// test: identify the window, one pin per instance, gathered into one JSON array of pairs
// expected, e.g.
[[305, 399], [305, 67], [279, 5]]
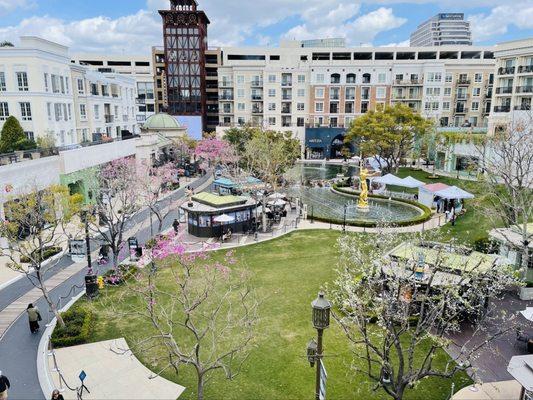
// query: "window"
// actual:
[[25, 111], [2, 82], [334, 93], [432, 91], [96, 111], [69, 109], [272, 79], [67, 87], [240, 93], [30, 136], [300, 121], [271, 121], [300, 107], [447, 91], [81, 87], [58, 111], [55, 83], [46, 86], [449, 78], [49, 111], [434, 105], [4, 111], [62, 82], [271, 92], [478, 77], [381, 93], [335, 78], [145, 90], [240, 79], [301, 93], [319, 93], [320, 78], [65, 114], [271, 106], [350, 78], [446, 105], [475, 106], [319, 107], [301, 78], [476, 92], [241, 107], [22, 80], [382, 77], [434, 76], [83, 112]]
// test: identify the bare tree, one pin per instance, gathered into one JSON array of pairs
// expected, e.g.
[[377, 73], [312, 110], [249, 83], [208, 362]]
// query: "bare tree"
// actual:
[[507, 163], [34, 229], [398, 314], [202, 312]]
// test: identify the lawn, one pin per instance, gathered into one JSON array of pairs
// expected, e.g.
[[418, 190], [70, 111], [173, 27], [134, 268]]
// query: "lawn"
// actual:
[[288, 272], [469, 227]]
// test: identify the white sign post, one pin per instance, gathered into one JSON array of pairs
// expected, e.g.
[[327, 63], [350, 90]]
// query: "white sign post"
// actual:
[[323, 379]]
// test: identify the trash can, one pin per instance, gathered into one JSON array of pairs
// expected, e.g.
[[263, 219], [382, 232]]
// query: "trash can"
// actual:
[[91, 286]]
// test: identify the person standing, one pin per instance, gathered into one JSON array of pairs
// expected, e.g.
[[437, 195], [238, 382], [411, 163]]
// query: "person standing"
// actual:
[[176, 226], [4, 386], [56, 395], [34, 316]]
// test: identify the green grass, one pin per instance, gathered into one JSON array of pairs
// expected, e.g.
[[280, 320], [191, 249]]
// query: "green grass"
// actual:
[[288, 272], [468, 227]]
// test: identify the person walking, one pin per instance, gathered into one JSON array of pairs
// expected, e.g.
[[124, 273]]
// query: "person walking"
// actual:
[[4, 386], [176, 226], [57, 396], [34, 316]]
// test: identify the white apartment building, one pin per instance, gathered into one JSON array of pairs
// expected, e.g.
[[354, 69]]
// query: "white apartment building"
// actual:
[[441, 30], [139, 67], [293, 87], [51, 96]]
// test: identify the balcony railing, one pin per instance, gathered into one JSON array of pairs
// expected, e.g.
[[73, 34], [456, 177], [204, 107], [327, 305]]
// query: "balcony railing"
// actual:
[[365, 97], [286, 110], [502, 108], [287, 97], [461, 110], [225, 96], [334, 97], [109, 118], [463, 82], [523, 69], [462, 96], [504, 90], [286, 83], [523, 107], [257, 83], [506, 70], [257, 110], [257, 97], [226, 111], [224, 83], [406, 82], [524, 89], [350, 97]]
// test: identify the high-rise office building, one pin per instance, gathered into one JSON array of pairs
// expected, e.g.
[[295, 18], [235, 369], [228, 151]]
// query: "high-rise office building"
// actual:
[[443, 29], [185, 44]]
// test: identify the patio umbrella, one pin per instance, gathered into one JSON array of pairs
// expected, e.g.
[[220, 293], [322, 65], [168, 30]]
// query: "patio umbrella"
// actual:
[[277, 196], [528, 313], [278, 203], [412, 183], [223, 218]]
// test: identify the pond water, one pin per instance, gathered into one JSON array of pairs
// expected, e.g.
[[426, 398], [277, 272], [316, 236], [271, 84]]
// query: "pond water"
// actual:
[[322, 202]]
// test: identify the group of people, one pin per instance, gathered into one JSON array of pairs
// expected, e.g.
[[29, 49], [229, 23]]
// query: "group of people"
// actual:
[[447, 207]]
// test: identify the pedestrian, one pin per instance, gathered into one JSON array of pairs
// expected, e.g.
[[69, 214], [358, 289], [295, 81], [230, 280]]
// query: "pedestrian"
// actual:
[[4, 386], [176, 225], [34, 316], [447, 215], [56, 395]]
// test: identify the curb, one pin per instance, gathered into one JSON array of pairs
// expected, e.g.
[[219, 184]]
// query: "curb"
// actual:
[[45, 378]]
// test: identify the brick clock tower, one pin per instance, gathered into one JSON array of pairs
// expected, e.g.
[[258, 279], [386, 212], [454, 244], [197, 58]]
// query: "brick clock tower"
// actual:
[[185, 42]]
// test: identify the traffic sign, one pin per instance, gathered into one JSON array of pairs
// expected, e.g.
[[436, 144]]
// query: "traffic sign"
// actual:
[[82, 376]]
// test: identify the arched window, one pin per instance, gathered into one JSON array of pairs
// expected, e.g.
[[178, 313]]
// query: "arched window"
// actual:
[[335, 78], [350, 78], [366, 78]]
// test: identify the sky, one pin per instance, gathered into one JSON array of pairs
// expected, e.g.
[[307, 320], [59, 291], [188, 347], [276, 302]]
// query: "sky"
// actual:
[[133, 26]]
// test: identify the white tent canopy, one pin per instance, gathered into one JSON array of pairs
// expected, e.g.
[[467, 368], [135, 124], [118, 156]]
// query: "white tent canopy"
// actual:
[[412, 183], [389, 179], [453, 192], [277, 196]]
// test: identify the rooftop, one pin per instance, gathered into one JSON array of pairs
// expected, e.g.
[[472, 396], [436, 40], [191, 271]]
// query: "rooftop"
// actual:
[[213, 203], [161, 121]]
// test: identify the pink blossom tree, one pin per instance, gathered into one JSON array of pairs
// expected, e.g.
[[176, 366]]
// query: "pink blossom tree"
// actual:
[[213, 152], [201, 308]]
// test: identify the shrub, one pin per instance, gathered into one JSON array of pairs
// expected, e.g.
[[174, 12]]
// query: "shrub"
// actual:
[[48, 252], [79, 326], [485, 245], [13, 137], [125, 272]]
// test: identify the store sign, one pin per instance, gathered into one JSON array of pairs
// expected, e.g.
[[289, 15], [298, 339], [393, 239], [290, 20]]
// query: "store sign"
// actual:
[[77, 250]]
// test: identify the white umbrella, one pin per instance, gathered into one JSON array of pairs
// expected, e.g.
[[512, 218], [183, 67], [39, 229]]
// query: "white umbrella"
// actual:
[[223, 218], [412, 183], [278, 203], [528, 313], [277, 196], [260, 209]]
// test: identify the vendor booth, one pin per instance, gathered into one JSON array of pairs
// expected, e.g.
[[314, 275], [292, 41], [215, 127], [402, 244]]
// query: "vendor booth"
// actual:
[[229, 186]]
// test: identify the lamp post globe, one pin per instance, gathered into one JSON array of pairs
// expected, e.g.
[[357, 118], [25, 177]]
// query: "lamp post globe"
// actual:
[[321, 311]]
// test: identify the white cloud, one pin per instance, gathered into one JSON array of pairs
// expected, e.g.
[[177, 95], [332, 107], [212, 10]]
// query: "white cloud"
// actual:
[[404, 43], [497, 22], [7, 6], [361, 30]]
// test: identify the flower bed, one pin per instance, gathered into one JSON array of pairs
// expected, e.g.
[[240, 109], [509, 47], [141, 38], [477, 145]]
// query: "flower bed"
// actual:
[[48, 252]]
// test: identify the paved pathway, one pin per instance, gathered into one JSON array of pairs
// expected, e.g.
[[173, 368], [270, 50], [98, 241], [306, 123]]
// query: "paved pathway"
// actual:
[[18, 348]]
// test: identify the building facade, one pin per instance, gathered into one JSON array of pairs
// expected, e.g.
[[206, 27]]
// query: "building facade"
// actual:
[[138, 67], [441, 30]]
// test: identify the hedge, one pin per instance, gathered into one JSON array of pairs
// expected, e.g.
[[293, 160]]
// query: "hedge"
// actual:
[[79, 326], [425, 216], [47, 253]]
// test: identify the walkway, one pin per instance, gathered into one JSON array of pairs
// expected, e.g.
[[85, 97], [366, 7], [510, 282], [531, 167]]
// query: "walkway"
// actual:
[[112, 373], [18, 348]]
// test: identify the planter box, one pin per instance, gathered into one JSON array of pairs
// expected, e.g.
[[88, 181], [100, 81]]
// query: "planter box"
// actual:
[[526, 293], [35, 156]]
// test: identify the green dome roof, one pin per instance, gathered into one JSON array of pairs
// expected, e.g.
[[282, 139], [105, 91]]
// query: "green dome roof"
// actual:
[[161, 121]]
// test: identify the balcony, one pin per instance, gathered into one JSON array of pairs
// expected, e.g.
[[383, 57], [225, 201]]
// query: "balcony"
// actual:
[[225, 96], [506, 70], [365, 96], [257, 97], [226, 110], [257, 83], [287, 97], [334, 97], [502, 108], [286, 82], [463, 82], [286, 110], [109, 118], [461, 110], [407, 82], [524, 69], [524, 89], [462, 96], [257, 110], [225, 83], [523, 107], [489, 94], [504, 90]]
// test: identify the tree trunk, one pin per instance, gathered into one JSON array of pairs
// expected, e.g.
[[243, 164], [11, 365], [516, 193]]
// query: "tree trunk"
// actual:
[[51, 304], [200, 387]]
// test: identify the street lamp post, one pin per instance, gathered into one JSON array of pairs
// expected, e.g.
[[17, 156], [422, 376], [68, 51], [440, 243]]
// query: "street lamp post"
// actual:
[[91, 279], [344, 219], [321, 312]]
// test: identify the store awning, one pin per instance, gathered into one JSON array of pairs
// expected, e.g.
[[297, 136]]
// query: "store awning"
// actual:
[[454, 193]]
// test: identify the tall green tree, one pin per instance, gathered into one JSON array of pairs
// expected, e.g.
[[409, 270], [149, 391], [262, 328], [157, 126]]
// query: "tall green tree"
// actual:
[[238, 137], [388, 134], [13, 137]]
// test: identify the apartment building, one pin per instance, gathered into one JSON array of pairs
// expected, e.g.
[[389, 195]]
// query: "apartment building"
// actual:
[[441, 30], [49, 95], [513, 81], [294, 88], [138, 67]]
